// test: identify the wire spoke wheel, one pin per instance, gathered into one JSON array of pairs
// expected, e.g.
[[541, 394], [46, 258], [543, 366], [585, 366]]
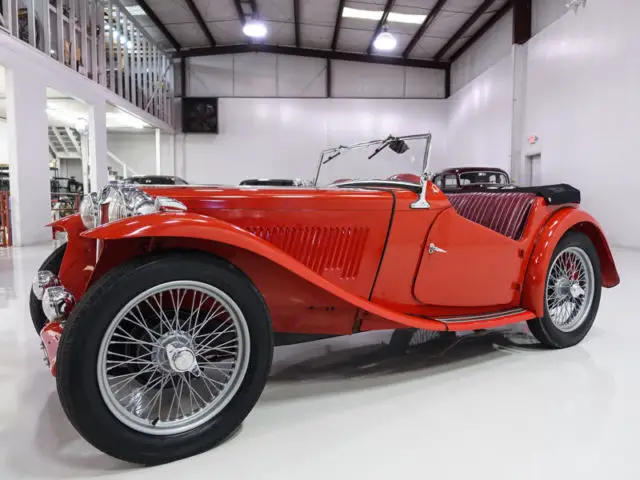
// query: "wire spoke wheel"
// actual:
[[173, 357], [570, 289]]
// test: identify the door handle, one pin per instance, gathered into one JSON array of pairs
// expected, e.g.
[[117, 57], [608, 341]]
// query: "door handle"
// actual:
[[433, 249]]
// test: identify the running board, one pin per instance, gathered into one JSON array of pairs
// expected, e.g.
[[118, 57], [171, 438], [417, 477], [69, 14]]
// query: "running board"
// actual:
[[487, 320]]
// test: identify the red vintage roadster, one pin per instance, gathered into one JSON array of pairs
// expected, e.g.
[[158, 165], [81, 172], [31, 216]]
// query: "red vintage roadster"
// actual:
[[159, 316]]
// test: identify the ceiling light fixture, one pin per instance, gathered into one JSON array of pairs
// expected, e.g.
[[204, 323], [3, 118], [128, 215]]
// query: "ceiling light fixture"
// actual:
[[385, 41], [255, 29], [376, 15]]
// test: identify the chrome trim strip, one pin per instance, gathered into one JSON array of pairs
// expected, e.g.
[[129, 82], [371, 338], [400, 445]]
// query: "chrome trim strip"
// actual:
[[383, 183], [477, 318]]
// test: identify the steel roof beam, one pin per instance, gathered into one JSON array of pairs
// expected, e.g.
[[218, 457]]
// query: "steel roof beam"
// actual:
[[309, 52], [203, 26], [381, 24], [423, 28], [156, 21], [464, 28], [336, 26]]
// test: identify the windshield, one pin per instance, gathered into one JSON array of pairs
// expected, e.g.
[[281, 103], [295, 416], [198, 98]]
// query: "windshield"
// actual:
[[375, 160], [473, 178]]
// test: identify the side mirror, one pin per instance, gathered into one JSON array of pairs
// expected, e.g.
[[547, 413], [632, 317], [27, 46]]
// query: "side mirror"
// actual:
[[398, 146]]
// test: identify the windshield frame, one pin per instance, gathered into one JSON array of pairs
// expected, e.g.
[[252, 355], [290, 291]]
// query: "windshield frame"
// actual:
[[331, 154]]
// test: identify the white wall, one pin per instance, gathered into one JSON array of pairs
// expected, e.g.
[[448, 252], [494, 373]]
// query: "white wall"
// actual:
[[269, 75], [479, 127], [138, 151], [491, 48], [583, 102], [277, 137], [545, 12]]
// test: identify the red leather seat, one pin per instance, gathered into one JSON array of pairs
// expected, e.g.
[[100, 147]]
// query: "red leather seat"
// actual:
[[502, 212]]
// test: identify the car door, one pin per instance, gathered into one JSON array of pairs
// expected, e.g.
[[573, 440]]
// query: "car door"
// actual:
[[468, 265]]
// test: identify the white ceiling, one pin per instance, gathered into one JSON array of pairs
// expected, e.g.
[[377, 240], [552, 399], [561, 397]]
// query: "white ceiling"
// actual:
[[317, 18]]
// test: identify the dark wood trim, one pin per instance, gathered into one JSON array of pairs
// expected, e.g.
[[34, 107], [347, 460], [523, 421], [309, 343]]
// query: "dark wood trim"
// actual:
[[447, 82], [484, 29], [309, 52], [521, 21], [336, 26], [329, 79], [296, 21], [423, 28], [463, 29], [203, 26], [381, 24], [156, 21]]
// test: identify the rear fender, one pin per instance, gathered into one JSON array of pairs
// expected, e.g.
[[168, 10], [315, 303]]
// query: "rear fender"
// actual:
[[561, 222], [195, 226]]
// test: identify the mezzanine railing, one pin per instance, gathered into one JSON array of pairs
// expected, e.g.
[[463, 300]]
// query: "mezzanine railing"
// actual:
[[101, 40]]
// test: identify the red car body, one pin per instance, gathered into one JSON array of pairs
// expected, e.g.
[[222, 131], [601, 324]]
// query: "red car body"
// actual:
[[361, 253], [182, 291]]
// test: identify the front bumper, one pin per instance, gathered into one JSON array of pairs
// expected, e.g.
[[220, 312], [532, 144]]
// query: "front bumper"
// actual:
[[57, 304]]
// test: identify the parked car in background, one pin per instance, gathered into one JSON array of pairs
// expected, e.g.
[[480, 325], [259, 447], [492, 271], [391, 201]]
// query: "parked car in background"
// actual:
[[154, 180], [471, 178], [4, 180]]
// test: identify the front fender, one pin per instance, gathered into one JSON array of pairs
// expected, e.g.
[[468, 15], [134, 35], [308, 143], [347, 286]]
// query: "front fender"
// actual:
[[553, 230], [191, 225]]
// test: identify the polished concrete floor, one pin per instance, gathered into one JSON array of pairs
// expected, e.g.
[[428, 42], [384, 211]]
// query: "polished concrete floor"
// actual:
[[494, 406]]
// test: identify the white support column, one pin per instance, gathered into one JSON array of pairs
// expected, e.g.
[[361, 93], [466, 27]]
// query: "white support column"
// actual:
[[519, 76], [172, 154], [29, 177], [158, 153], [98, 173], [84, 148]]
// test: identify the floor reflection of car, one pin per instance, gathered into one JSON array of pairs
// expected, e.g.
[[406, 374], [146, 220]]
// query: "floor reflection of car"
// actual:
[[470, 178], [155, 180]]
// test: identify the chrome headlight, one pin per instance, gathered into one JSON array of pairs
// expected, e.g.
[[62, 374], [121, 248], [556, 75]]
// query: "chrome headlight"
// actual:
[[89, 210], [57, 303], [124, 202], [117, 206], [44, 279]]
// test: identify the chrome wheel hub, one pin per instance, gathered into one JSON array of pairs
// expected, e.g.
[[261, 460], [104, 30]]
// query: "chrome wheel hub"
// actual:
[[570, 289], [173, 357], [182, 359]]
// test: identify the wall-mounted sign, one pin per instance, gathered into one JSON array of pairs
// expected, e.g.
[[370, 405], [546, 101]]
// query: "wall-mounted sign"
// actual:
[[533, 139]]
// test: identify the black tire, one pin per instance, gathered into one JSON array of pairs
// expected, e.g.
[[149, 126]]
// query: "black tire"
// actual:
[[52, 264], [543, 328], [78, 352]]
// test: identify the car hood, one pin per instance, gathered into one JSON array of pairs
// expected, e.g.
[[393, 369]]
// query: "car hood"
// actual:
[[205, 199]]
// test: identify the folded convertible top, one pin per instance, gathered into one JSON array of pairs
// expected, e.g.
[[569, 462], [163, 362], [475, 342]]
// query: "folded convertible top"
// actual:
[[553, 194]]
